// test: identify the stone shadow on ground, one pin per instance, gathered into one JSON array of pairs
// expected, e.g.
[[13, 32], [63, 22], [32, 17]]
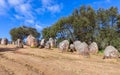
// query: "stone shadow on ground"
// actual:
[[8, 49]]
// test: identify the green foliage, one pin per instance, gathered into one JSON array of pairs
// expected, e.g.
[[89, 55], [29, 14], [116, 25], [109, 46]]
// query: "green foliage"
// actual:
[[101, 52], [23, 32], [86, 24], [33, 47]]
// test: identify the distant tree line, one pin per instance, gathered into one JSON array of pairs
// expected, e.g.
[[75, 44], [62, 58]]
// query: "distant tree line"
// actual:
[[88, 25], [22, 32]]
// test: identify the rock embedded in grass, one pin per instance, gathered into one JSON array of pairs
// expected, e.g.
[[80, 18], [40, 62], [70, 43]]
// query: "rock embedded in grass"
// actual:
[[111, 52], [77, 44], [19, 43], [48, 45], [32, 41], [4, 41], [64, 45], [72, 47], [52, 42], [42, 43], [93, 48], [82, 48]]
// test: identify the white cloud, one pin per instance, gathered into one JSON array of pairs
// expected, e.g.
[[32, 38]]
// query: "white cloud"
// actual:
[[30, 21], [18, 16], [3, 7], [51, 6], [38, 27], [54, 8], [46, 2], [15, 2], [25, 10], [2, 3]]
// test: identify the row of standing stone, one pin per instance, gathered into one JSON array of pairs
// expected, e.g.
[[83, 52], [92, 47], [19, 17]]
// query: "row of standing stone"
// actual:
[[84, 49]]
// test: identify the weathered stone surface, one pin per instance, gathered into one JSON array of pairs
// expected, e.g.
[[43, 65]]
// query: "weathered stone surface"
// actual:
[[64, 45], [31, 41], [110, 52], [52, 42], [42, 43], [93, 48], [72, 47], [4, 41], [48, 45], [82, 48], [77, 44], [19, 43]]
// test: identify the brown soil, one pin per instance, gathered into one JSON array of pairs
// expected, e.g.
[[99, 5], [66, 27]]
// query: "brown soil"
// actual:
[[34, 61]]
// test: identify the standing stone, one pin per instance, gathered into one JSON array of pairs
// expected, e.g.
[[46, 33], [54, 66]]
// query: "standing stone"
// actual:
[[42, 43], [82, 48], [77, 44], [28, 40], [19, 43], [31, 41], [93, 48], [110, 52], [48, 45], [4, 41], [52, 42], [72, 47], [64, 45]]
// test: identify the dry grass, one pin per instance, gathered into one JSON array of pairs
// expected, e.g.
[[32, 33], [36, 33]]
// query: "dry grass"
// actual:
[[34, 61]]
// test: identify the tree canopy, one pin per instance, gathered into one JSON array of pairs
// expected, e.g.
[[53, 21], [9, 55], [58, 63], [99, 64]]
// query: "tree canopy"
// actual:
[[87, 24], [22, 32]]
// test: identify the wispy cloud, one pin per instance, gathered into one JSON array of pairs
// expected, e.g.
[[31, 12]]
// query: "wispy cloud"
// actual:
[[3, 7], [15, 2], [50, 6], [25, 10], [2, 3], [18, 16], [26, 13], [30, 21], [38, 27]]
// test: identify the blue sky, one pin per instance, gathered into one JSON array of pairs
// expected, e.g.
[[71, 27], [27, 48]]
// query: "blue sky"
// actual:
[[41, 13]]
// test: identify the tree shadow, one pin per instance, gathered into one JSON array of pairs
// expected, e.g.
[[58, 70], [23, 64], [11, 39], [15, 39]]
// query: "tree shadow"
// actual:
[[8, 49]]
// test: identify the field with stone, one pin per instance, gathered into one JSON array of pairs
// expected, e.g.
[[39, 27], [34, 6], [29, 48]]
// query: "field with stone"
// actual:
[[35, 61]]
